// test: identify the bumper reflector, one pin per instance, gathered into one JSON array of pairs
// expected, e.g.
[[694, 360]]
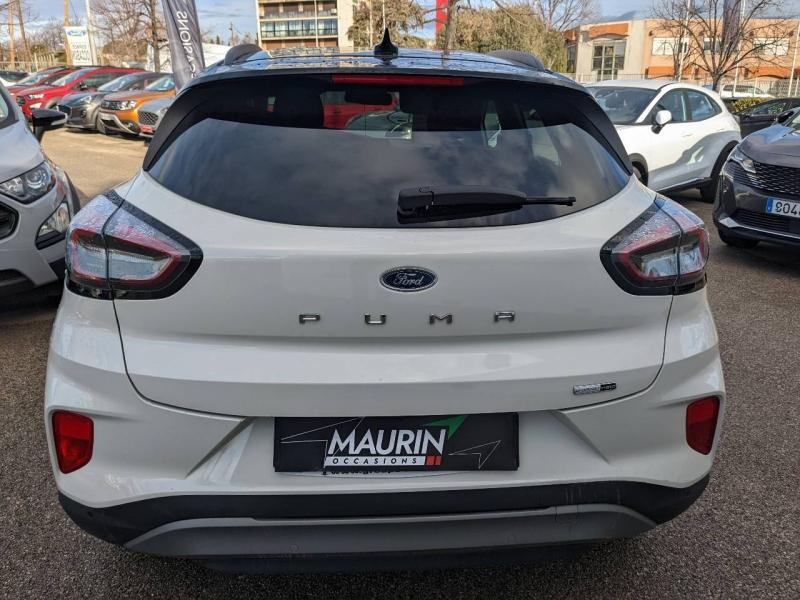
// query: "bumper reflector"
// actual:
[[701, 424], [73, 436]]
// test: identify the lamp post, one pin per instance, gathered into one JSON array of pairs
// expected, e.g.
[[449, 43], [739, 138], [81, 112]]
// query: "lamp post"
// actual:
[[681, 43], [794, 58], [90, 32], [316, 25]]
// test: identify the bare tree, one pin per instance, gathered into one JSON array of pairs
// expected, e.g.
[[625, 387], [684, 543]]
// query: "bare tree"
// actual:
[[674, 17], [561, 15], [128, 27], [724, 35]]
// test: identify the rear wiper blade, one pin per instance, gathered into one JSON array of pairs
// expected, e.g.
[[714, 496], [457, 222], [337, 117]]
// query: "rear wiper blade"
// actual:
[[442, 202], [412, 199]]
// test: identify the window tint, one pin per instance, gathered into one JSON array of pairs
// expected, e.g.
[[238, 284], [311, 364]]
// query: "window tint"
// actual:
[[675, 103], [769, 108], [4, 109], [94, 81], [162, 84], [623, 105], [702, 106], [125, 82], [69, 78], [310, 152]]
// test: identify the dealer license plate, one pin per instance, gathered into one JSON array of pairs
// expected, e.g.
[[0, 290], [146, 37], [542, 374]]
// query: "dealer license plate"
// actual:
[[484, 442], [787, 208]]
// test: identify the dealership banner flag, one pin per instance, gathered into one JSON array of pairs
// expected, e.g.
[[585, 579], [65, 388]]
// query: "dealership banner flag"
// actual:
[[185, 42]]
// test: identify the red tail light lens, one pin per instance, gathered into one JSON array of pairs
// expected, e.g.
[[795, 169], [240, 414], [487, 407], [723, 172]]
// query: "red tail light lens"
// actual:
[[664, 251], [701, 424], [391, 80], [116, 250], [73, 437]]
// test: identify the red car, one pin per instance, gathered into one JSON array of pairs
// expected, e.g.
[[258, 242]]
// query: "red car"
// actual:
[[87, 79], [42, 77]]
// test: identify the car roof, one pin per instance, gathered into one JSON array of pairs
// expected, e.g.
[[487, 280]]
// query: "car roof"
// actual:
[[416, 60], [648, 84]]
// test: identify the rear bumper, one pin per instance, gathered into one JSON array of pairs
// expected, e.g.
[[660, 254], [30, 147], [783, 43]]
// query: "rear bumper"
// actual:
[[177, 482], [739, 212], [290, 525]]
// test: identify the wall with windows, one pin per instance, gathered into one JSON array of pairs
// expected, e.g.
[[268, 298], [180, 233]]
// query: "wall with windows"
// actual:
[[637, 48], [304, 23]]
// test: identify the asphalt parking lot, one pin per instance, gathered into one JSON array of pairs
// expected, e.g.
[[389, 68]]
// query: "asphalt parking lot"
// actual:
[[740, 540]]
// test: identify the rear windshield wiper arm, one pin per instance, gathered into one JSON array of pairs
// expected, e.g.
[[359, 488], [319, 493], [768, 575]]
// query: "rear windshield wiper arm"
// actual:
[[416, 201]]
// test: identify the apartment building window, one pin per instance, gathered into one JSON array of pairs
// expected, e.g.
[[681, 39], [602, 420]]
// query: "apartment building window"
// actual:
[[712, 46], [666, 46], [298, 28], [608, 58], [771, 46], [328, 27]]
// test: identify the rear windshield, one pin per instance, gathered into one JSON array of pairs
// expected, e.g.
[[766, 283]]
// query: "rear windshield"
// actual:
[[312, 151]]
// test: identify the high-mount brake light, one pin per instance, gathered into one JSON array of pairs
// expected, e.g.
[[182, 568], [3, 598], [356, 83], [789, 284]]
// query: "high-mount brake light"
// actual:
[[116, 250], [422, 80], [663, 251]]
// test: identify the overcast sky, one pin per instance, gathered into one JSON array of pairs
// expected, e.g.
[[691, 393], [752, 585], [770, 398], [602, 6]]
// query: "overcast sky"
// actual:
[[217, 15]]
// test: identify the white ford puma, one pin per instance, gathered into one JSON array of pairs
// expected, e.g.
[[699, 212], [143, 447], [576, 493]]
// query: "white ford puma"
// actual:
[[381, 306]]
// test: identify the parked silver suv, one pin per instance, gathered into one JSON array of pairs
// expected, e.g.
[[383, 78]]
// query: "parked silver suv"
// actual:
[[37, 202]]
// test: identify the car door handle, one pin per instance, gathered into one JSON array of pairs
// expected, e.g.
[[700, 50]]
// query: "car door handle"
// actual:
[[687, 135]]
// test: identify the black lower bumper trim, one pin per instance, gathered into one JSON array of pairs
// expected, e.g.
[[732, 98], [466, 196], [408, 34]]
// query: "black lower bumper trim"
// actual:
[[121, 523]]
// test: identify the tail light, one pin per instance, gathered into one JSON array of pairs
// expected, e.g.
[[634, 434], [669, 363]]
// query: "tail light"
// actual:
[[701, 424], [116, 250], [73, 437], [391, 79], [664, 251]]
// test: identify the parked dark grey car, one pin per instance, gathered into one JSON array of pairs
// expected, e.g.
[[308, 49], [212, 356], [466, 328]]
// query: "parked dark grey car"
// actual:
[[759, 195], [81, 108], [763, 115]]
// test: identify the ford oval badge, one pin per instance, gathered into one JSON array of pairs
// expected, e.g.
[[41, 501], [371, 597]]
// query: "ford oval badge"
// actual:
[[408, 279]]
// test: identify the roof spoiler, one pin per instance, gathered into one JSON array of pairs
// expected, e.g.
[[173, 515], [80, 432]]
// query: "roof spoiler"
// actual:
[[521, 58], [239, 53]]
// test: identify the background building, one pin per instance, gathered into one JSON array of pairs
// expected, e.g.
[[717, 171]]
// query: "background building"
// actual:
[[304, 23], [633, 46]]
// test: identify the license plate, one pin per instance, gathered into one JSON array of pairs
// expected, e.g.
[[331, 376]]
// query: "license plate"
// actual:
[[787, 208], [483, 442], [106, 117]]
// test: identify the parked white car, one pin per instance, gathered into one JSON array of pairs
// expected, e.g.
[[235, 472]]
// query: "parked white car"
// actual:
[[288, 339], [734, 92], [677, 135], [37, 202]]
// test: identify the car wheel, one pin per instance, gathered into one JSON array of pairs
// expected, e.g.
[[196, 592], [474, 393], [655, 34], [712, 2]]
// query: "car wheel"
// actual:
[[737, 242], [708, 191], [98, 124]]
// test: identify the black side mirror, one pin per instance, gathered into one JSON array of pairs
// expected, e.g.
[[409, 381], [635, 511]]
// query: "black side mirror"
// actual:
[[786, 115], [45, 119], [82, 86]]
